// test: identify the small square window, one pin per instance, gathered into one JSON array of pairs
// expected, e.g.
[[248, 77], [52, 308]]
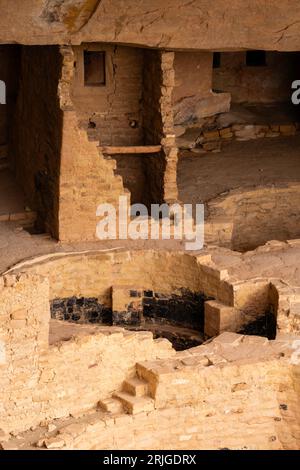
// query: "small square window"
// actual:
[[94, 68], [217, 60], [256, 58]]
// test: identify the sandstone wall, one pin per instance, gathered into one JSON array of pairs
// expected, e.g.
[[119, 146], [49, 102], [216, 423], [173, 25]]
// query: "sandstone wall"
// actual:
[[234, 393], [161, 168], [168, 23], [94, 285], [132, 169], [193, 74], [254, 216], [92, 275], [114, 106], [46, 382], [265, 84], [36, 135], [87, 179]]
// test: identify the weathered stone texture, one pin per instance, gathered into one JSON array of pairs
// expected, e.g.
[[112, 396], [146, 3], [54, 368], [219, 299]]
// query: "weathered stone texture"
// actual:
[[200, 24], [270, 83], [44, 382], [254, 216], [87, 179], [111, 109]]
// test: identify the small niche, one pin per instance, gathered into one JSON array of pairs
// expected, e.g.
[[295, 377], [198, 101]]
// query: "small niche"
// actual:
[[94, 68]]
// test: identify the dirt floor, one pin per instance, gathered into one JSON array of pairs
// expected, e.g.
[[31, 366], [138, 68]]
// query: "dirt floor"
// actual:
[[239, 164], [16, 244], [275, 259]]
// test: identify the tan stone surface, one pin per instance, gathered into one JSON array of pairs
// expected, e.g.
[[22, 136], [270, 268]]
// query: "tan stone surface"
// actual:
[[235, 392], [201, 24]]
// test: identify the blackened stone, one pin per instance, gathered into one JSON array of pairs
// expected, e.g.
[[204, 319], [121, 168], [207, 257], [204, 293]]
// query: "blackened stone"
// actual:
[[163, 301], [149, 301], [58, 303], [134, 293], [159, 296], [95, 315], [127, 318], [183, 309], [80, 309], [71, 301], [148, 293], [265, 326]]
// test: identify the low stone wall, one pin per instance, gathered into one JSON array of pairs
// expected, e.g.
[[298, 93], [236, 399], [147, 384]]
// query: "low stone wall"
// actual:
[[92, 274], [245, 218], [234, 393], [208, 137], [121, 286], [47, 382]]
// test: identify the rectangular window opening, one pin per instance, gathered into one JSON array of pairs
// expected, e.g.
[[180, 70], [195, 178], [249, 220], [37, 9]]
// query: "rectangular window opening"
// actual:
[[217, 60], [94, 68], [256, 59]]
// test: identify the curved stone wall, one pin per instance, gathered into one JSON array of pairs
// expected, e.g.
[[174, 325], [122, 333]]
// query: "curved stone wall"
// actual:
[[246, 218]]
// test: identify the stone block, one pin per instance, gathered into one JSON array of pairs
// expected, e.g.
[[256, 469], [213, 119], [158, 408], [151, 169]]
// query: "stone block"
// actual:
[[214, 104], [219, 318]]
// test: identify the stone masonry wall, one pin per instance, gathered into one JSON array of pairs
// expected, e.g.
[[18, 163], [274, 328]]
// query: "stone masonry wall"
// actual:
[[161, 169], [265, 84], [112, 108], [47, 382], [91, 286], [92, 275], [87, 179], [255, 215], [233, 393]]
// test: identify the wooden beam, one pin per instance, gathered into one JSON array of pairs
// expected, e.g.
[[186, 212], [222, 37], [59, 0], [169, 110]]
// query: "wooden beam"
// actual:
[[131, 149]]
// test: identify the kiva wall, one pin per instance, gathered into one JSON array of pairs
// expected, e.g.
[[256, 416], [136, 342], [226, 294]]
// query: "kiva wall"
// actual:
[[92, 275], [254, 216]]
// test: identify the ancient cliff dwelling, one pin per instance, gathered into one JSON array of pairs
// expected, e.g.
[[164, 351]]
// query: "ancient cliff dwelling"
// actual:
[[124, 343]]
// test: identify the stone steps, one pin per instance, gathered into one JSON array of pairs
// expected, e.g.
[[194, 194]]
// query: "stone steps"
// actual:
[[111, 405], [133, 398], [136, 387], [134, 405]]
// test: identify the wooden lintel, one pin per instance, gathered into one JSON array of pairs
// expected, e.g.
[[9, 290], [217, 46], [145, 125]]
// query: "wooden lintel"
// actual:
[[131, 149]]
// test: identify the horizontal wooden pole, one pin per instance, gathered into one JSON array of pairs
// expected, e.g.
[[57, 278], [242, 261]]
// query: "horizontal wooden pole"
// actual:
[[132, 149]]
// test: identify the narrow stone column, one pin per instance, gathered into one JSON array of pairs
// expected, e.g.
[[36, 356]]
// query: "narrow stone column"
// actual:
[[170, 190]]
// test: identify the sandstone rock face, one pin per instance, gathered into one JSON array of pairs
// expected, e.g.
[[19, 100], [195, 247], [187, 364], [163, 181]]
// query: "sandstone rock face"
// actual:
[[199, 24], [215, 104]]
